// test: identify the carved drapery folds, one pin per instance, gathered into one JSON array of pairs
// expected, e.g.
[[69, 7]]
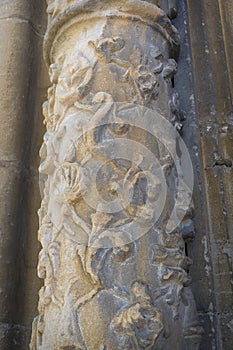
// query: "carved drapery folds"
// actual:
[[106, 287]]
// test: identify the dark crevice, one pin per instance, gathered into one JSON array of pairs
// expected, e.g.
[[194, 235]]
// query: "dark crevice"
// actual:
[[223, 162], [186, 253], [173, 82]]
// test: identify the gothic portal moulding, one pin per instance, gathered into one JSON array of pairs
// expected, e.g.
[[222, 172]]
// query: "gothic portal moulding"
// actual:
[[116, 207]]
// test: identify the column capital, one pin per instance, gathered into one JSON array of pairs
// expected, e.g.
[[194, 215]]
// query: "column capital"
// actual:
[[62, 14]]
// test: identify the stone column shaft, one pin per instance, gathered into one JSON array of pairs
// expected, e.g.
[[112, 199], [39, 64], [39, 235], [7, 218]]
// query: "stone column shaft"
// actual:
[[114, 276], [15, 38]]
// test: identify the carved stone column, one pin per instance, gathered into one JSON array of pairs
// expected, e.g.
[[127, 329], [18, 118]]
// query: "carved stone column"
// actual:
[[106, 285]]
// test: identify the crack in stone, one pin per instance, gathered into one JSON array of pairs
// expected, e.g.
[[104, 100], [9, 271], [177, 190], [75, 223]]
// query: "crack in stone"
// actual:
[[23, 20]]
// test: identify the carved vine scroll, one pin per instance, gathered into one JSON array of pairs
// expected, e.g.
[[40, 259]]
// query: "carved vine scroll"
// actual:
[[114, 276]]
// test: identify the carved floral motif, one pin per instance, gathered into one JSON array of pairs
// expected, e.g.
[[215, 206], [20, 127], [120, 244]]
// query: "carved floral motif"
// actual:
[[85, 252], [139, 325]]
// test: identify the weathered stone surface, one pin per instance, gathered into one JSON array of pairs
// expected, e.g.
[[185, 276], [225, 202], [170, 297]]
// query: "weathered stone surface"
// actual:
[[106, 287], [21, 32], [14, 337], [12, 88], [212, 89], [204, 83]]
